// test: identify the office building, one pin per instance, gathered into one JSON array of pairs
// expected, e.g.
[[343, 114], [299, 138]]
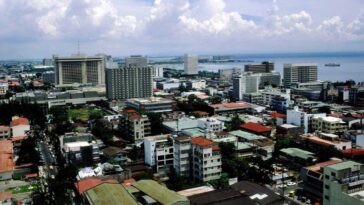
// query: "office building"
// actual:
[[245, 83], [272, 79], [129, 82], [206, 159], [152, 104], [47, 62], [158, 153], [158, 72], [49, 77], [228, 74], [80, 69], [191, 64], [264, 67], [299, 73], [343, 183], [136, 61]]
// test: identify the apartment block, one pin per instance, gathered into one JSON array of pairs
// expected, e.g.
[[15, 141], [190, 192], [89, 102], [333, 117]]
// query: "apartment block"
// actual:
[[343, 183], [264, 67], [302, 119], [299, 73], [328, 124], [182, 155], [136, 61], [134, 126], [191, 64]]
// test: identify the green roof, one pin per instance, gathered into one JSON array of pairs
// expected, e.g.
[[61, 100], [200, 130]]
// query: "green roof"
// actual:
[[107, 193], [343, 165], [159, 193], [246, 135], [296, 152], [194, 132]]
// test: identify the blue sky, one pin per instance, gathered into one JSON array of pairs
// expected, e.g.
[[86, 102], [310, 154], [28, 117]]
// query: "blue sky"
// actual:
[[40, 28]]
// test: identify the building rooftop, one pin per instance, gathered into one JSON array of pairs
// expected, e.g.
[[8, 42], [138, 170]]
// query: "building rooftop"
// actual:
[[275, 115], [330, 119], [317, 167], [4, 128], [89, 183], [110, 193], [183, 123], [288, 126], [196, 190], [255, 127], [19, 121], [6, 156], [231, 105], [158, 192], [150, 100], [353, 152], [227, 196], [343, 165], [201, 141], [246, 135], [296, 152], [5, 195]]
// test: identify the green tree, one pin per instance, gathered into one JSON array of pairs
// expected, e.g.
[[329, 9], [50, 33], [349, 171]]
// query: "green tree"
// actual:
[[221, 183], [215, 100], [156, 120], [235, 123]]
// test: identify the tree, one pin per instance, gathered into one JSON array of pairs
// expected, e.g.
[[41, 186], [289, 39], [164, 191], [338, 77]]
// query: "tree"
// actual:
[[156, 120], [221, 183], [175, 182], [235, 123], [325, 109], [215, 100]]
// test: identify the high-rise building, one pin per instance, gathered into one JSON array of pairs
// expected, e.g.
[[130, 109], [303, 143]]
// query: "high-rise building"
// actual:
[[343, 183], [299, 73], [158, 71], [245, 83], [47, 62], [137, 61], [129, 82], [191, 64], [80, 69], [182, 155], [264, 67], [272, 78]]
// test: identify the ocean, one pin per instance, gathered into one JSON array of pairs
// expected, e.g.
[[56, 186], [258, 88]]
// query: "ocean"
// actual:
[[352, 64]]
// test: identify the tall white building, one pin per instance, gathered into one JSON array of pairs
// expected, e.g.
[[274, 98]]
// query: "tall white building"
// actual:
[[299, 73], [80, 69], [245, 83], [136, 61], [158, 153], [301, 118], [158, 71], [191, 64], [129, 82]]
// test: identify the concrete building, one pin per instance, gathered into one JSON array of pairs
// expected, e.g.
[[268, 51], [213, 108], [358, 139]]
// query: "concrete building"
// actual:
[[19, 126], [327, 139], [299, 73], [182, 155], [206, 159], [356, 95], [47, 62], [136, 61], [264, 67], [169, 84], [158, 153], [273, 79], [301, 118], [210, 124], [191, 64], [196, 84], [328, 124], [228, 74], [134, 126], [343, 183], [158, 72], [49, 77], [80, 69], [245, 83], [129, 82], [4, 87], [152, 104]]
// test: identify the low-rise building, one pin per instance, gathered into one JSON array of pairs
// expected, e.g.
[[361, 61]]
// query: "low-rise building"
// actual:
[[134, 126], [196, 84], [327, 139], [328, 124], [19, 126], [297, 156], [6, 160], [5, 132], [182, 155], [158, 153], [302, 119], [152, 104], [206, 159], [256, 128], [210, 124]]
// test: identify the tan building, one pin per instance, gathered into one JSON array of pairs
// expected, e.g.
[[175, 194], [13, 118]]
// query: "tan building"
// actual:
[[329, 124], [134, 126]]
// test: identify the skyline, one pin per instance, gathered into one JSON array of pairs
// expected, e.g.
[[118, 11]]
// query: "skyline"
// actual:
[[37, 29]]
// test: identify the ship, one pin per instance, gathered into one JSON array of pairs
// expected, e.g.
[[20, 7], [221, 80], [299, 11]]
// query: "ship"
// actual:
[[332, 64]]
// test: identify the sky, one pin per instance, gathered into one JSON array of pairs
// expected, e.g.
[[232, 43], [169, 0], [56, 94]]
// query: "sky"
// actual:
[[40, 28]]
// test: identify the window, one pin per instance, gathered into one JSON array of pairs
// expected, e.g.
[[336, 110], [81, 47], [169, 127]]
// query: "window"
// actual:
[[333, 174], [327, 187], [327, 197]]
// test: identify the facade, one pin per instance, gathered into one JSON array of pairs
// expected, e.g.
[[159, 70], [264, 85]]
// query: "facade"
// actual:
[[245, 83], [80, 69], [191, 64], [210, 124], [343, 184], [6, 158], [19, 126], [228, 74], [327, 139], [182, 155], [264, 67], [206, 159], [49, 77], [129, 82], [47, 62], [270, 93], [301, 118], [273, 79], [158, 72], [299, 73], [196, 84], [329, 124], [152, 104], [134, 126], [158, 153], [356, 95], [136, 61]]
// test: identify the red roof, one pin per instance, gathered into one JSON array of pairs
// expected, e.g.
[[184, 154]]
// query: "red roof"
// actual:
[[202, 113], [4, 128], [353, 152], [32, 175], [357, 115], [201, 141], [19, 121], [215, 148], [135, 116], [231, 105], [89, 183], [19, 138], [255, 127], [6, 156], [5, 195], [275, 115]]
